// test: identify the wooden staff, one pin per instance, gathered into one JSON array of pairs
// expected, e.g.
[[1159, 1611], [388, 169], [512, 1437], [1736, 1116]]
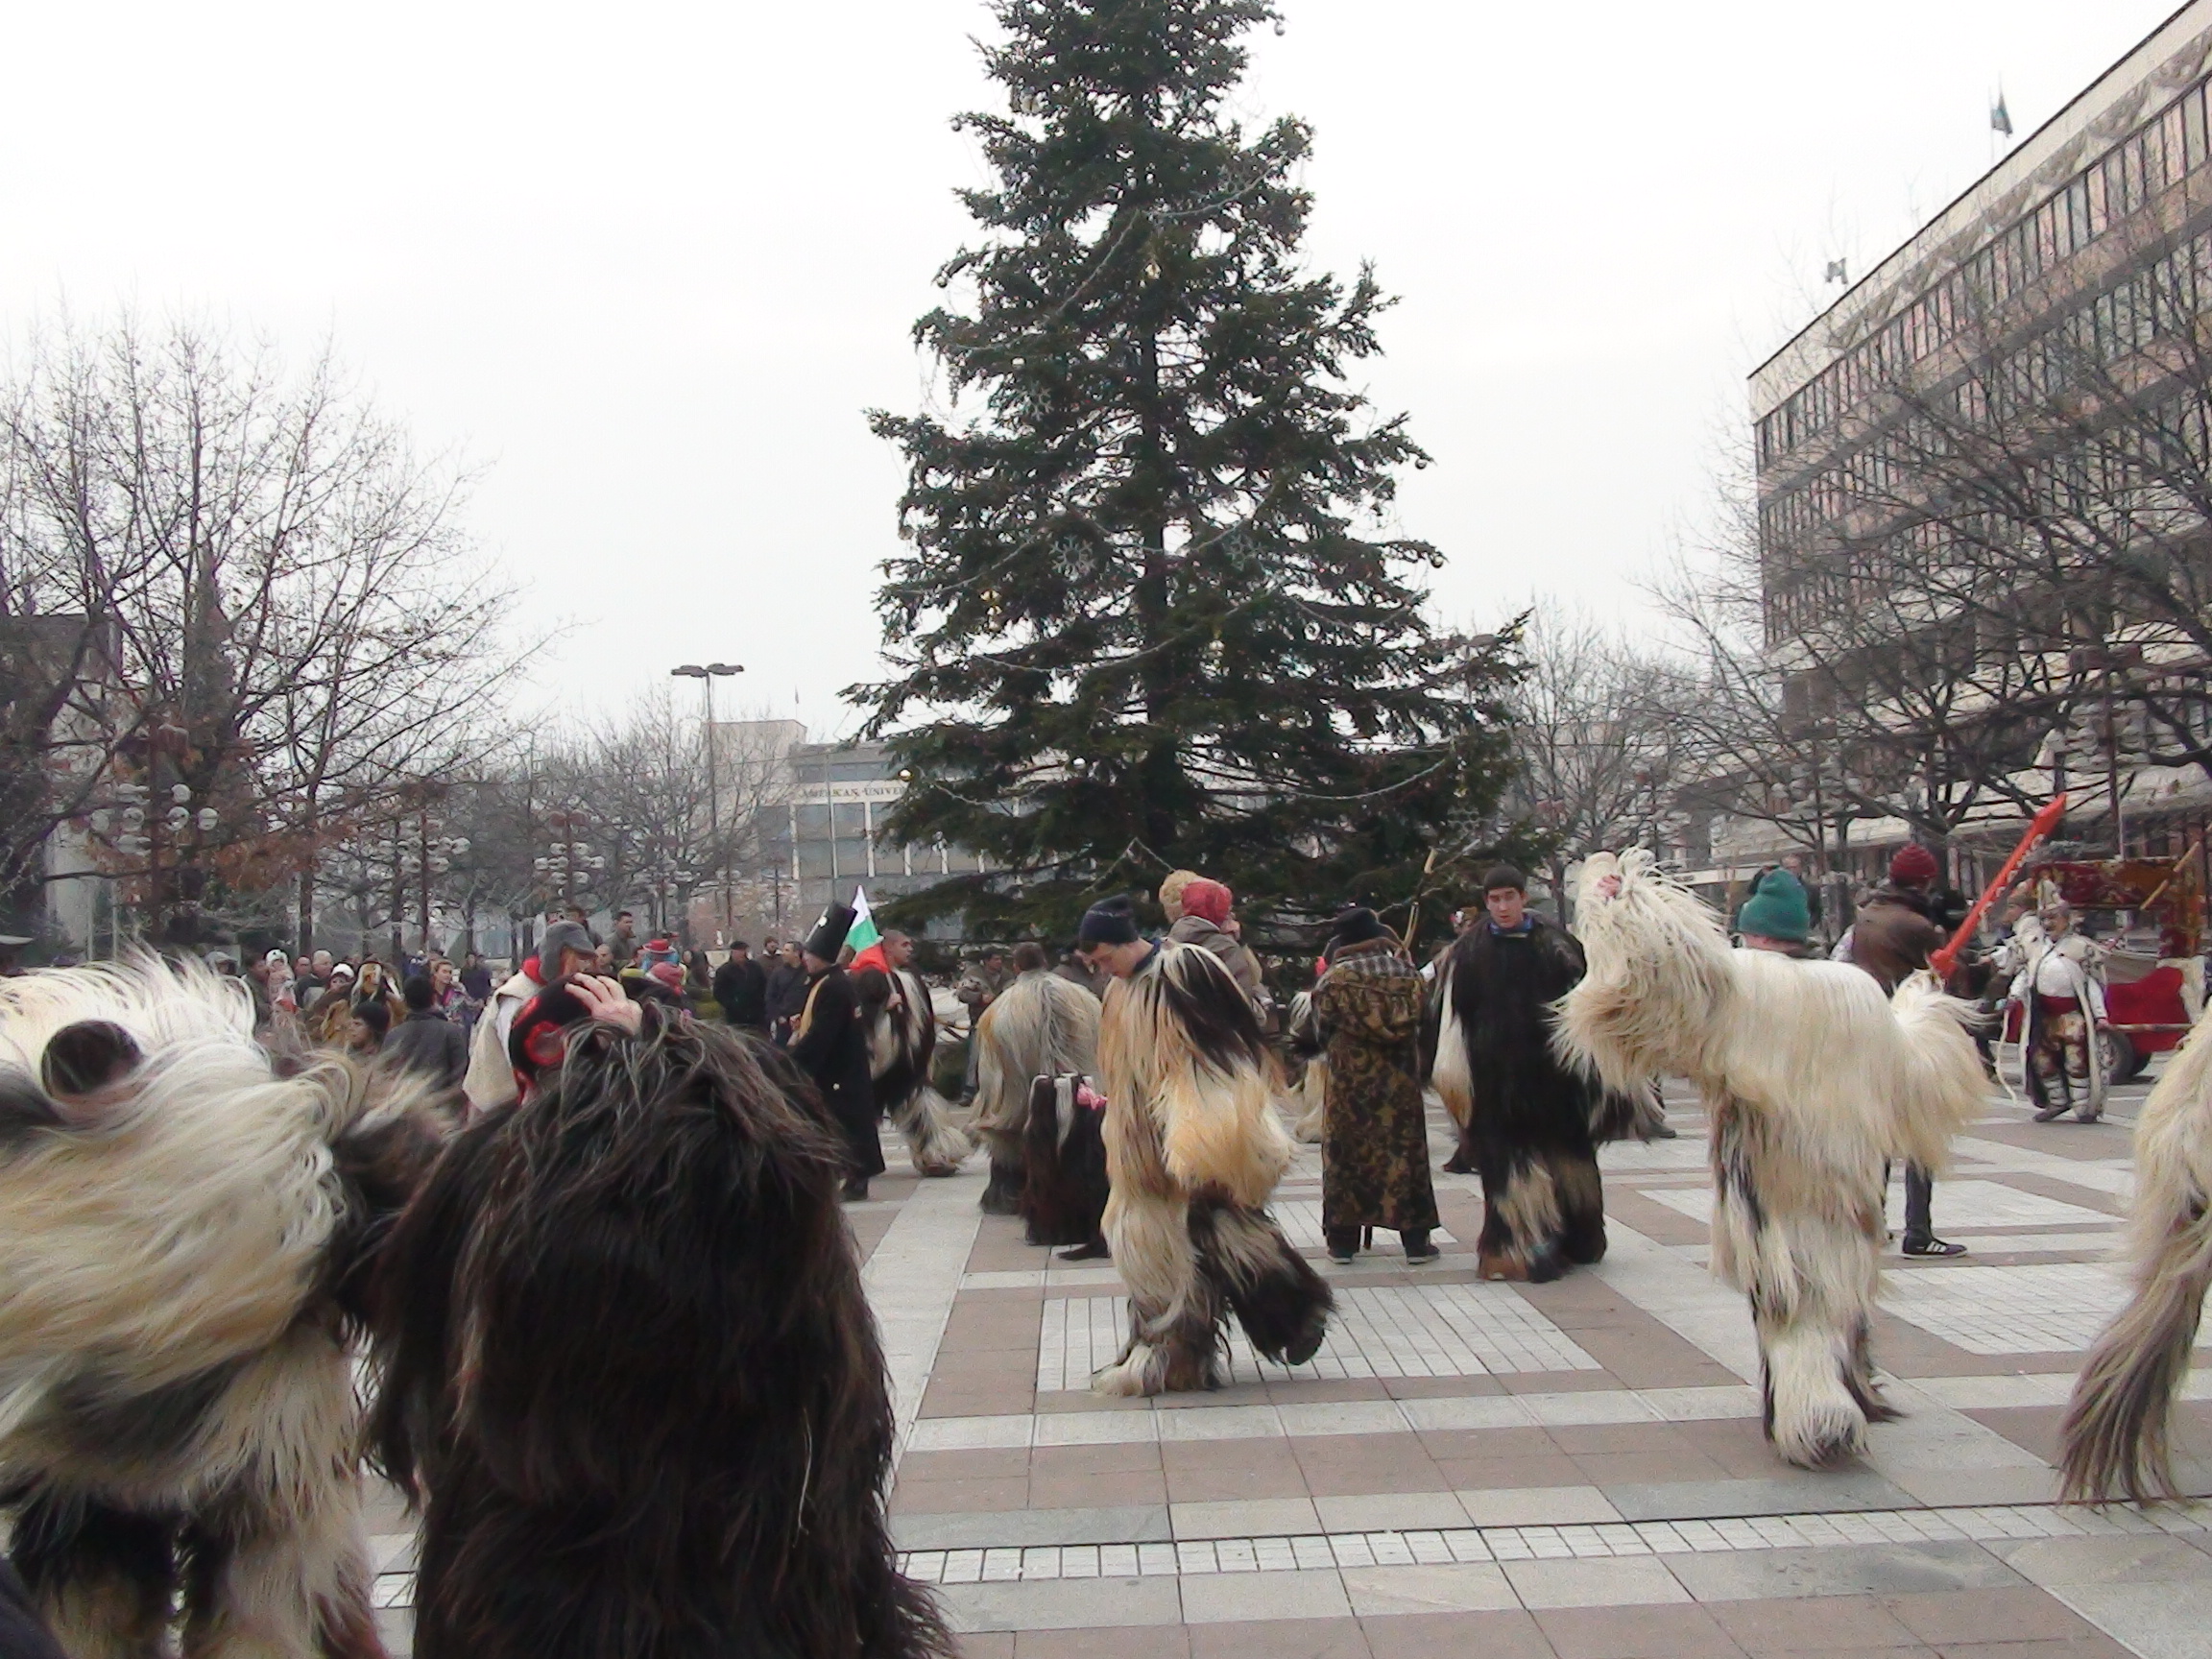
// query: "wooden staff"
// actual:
[[2159, 892], [2045, 821]]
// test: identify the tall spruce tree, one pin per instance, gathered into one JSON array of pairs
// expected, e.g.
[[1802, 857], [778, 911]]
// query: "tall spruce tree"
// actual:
[[1151, 606]]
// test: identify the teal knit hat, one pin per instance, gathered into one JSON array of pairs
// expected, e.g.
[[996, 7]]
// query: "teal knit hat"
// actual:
[[1776, 909]]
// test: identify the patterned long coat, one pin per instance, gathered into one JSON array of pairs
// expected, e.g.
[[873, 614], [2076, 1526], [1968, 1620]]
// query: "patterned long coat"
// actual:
[[1375, 1141]]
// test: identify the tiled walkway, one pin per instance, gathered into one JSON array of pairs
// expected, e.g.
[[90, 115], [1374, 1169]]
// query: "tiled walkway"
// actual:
[[1572, 1470]]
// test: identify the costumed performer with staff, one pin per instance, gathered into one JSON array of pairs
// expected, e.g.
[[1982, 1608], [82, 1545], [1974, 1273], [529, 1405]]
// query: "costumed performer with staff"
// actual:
[[1193, 1149], [831, 1043], [1375, 1131]]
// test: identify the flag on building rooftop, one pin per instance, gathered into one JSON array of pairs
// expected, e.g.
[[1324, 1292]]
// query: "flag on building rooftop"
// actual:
[[2000, 118]]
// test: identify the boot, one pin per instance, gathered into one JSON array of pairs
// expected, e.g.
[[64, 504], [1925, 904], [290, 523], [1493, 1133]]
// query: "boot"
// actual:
[[1419, 1251]]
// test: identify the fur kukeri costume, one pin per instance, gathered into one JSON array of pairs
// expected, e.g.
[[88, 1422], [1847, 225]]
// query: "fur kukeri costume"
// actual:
[[629, 1369], [902, 1044], [1523, 1115], [2114, 1436], [1064, 1180], [183, 1232], [1310, 1054], [1041, 1026], [1193, 1149], [1811, 1079]]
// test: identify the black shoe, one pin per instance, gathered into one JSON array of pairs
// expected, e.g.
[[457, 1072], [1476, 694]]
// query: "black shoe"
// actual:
[[1419, 1251], [1095, 1251], [1932, 1247], [2057, 1109], [856, 1190], [1666, 1132], [1456, 1164]]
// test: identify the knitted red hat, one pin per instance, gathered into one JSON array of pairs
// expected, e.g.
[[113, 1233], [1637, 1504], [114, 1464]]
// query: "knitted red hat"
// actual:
[[1913, 866], [1208, 901]]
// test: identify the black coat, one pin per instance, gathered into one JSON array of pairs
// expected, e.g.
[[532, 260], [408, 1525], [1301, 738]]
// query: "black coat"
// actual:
[[1502, 985], [786, 994], [742, 993], [431, 1044], [831, 1048]]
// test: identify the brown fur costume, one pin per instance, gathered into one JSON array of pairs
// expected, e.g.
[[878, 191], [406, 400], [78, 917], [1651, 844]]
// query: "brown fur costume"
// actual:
[[628, 1366], [1193, 1149], [1064, 1183], [183, 1235]]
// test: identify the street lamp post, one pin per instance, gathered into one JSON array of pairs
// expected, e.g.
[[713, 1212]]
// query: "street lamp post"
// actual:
[[707, 673]]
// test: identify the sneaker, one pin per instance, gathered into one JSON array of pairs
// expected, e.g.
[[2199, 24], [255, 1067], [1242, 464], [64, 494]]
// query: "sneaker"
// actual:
[[2049, 1113], [1932, 1247], [1421, 1255], [1342, 1258], [1666, 1132]]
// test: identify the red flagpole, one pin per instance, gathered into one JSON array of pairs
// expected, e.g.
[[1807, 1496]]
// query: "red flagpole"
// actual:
[[2045, 821]]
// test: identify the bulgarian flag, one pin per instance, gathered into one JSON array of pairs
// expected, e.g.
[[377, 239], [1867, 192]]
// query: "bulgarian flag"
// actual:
[[862, 933]]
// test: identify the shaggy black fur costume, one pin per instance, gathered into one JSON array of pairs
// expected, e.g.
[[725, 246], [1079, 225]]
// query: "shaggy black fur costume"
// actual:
[[630, 1372], [1064, 1164], [1527, 1130]]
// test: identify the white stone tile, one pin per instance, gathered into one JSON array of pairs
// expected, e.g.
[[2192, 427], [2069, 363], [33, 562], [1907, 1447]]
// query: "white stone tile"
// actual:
[[1244, 1518], [1536, 1505], [1378, 1592], [1393, 1510], [2165, 1621], [1544, 1585], [970, 1433], [1242, 1598], [2032, 1308], [1378, 1331], [1096, 1428]]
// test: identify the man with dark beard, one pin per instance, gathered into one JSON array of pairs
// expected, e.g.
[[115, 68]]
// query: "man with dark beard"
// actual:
[[1523, 1118], [831, 1043]]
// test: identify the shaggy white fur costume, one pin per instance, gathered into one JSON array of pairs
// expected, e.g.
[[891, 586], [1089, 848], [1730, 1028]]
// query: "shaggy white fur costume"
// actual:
[[180, 1230], [2114, 1437], [1811, 1079]]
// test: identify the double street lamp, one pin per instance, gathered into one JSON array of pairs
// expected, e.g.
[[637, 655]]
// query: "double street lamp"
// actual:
[[707, 673]]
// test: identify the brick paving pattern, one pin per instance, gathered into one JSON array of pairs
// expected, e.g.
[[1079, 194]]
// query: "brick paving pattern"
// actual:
[[1566, 1471]]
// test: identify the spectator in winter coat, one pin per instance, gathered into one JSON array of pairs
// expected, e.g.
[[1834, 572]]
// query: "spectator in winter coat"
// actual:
[[786, 994], [1891, 938], [741, 988], [1205, 922], [428, 1043]]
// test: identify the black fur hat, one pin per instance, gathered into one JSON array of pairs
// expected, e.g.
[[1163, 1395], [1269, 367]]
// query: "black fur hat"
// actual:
[[1357, 925], [829, 935]]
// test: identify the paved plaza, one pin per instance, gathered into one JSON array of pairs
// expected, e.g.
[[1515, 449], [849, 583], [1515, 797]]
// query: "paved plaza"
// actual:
[[1518, 1472]]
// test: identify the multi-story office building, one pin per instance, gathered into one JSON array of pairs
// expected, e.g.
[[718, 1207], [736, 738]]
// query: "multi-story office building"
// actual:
[[816, 810], [2072, 279]]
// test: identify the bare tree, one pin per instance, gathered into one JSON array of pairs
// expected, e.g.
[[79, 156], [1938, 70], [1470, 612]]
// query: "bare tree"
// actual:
[[1595, 749], [279, 623]]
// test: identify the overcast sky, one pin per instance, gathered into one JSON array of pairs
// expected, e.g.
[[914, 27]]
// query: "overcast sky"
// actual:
[[647, 265]]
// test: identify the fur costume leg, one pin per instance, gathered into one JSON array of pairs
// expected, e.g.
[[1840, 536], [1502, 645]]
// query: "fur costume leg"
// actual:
[[1452, 1076], [1312, 1101], [1800, 1241], [936, 1145], [1175, 1311], [2114, 1438]]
